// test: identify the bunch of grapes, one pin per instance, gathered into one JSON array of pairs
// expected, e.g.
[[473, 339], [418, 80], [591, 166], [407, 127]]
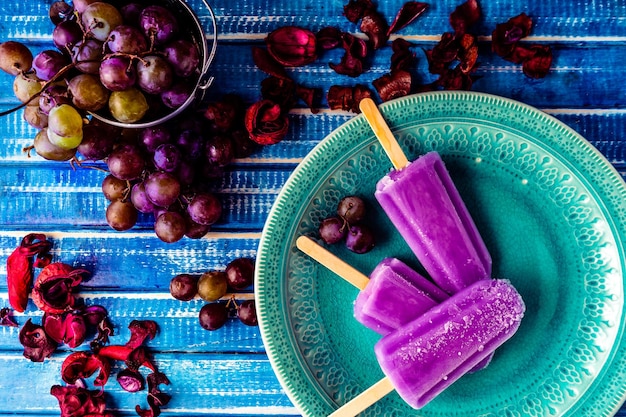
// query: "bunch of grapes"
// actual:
[[348, 225], [131, 62], [211, 286]]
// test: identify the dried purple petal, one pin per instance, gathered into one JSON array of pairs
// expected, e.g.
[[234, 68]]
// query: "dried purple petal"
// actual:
[[156, 398], [54, 326], [455, 79], [443, 53], [393, 85], [94, 314], [506, 35], [375, 27], [266, 63], [347, 98], [468, 53], [131, 380], [328, 37], [465, 16], [37, 344], [75, 329], [352, 61], [355, 9], [6, 318], [292, 46], [408, 13], [310, 96]]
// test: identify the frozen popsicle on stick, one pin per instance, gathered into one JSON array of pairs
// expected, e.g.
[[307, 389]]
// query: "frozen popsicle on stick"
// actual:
[[422, 202], [424, 357], [393, 294]]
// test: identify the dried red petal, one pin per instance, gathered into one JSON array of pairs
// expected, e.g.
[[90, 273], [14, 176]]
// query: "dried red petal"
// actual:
[[52, 292], [265, 122], [375, 27], [79, 402], [79, 365], [444, 52], [311, 97], [156, 398], [54, 326], [6, 318], [140, 331], [393, 85], [402, 58], [468, 53], [266, 63], [328, 38], [37, 344], [75, 330], [292, 46], [465, 16], [130, 380], [281, 91], [408, 13], [506, 35], [19, 268], [355, 9], [539, 64], [455, 79], [347, 98]]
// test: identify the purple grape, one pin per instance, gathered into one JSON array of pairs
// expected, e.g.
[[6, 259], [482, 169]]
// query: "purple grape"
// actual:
[[140, 199], [183, 56], [352, 209], [246, 312], [48, 63], [332, 230], [191, 143], [130, 13], [196, 230], [158, 24], [127, 39], [153, 137], [67, 34], [81, 5], [167, 157], [240, 273], [97, 143], [177, 94], [114, 188], [154, 74], [162, 188], [170, 227], [205, 208], [184, 287], [360, 239], [87, 56], [186, 172], [126, 162], [219, 150], [52, 96], [59, 11], [117, 73], [213, 316], [121, 215]]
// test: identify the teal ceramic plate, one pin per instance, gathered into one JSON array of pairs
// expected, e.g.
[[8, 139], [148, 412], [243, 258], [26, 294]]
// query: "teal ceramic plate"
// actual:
[[552, 212]]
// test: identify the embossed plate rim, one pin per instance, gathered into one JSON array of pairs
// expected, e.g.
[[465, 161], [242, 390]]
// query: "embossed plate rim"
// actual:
[[287, 364]]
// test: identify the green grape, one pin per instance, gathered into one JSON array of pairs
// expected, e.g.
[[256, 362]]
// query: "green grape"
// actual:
[[48, 150], [88, 93], [64, 142], [212, 285], [128, 106], [25, 86]]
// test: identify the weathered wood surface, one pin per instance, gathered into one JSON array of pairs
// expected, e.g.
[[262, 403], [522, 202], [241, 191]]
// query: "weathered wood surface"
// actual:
[[227, 372]]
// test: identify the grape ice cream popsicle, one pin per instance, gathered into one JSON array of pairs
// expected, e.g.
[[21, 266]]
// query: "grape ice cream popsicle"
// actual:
[[393, 294], [422, 202], [424, 357]]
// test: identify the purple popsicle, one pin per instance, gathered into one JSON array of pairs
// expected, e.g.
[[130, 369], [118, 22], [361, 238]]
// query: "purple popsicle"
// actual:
[[394, 296], [424, 357], [426, 208]]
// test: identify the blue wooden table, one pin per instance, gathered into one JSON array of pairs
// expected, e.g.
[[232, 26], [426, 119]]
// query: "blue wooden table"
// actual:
[[227, 372]]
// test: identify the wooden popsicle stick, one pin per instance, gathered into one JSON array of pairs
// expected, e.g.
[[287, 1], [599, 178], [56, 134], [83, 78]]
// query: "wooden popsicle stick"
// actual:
[[332, 262], [383, 133], [364, 399]]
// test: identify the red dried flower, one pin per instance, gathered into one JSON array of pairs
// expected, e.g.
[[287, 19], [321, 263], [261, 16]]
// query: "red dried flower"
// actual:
[[6, 318], [79, 402], [355, 9], [375, 27], [538, 65], [402, 58], [408, 13], [265, 122], [292, 46], [465, 16], [79, 365], [37, 344], [52, 291], [352, 61], [310, 96], [140, 331], [328, 38]]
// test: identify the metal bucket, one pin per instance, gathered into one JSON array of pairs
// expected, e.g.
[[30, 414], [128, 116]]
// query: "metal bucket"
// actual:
[[205, 39]]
